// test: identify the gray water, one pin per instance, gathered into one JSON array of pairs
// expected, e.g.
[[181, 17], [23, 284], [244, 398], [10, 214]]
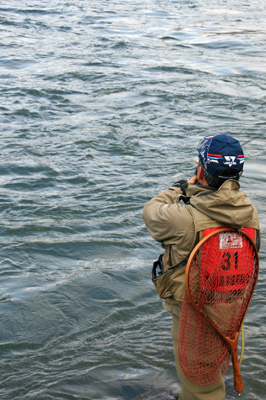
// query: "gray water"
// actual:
[[102, 104]]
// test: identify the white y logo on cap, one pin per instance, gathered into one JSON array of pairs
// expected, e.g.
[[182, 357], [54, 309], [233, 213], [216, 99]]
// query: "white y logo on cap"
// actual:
[[230, 160]]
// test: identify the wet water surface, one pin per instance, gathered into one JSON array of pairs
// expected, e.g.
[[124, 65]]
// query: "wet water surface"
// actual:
[[102, 106]]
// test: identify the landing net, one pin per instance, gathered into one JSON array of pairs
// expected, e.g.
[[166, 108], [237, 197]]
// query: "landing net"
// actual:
[[221, 275]]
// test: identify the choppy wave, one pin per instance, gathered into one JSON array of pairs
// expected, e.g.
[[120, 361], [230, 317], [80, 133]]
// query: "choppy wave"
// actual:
[[102, 106]]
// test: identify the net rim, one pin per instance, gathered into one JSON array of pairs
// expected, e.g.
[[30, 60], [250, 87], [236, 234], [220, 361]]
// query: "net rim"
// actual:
[[203, 240]]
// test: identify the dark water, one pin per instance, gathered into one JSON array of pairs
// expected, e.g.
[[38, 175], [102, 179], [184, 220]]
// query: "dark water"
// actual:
[[102, 104]]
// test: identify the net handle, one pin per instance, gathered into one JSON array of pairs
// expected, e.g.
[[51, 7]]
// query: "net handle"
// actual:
[[232, 343]]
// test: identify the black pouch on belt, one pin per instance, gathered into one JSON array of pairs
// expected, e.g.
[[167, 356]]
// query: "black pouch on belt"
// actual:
[[157, 269], [160, 278]]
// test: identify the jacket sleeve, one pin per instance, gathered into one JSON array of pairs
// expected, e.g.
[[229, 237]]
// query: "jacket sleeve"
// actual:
[[167, 220]]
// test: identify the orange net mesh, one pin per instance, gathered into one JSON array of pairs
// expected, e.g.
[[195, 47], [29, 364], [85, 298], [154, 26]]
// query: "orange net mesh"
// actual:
[[220, 279]]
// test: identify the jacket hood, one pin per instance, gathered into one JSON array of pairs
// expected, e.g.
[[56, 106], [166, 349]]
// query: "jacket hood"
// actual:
[[228, 205]]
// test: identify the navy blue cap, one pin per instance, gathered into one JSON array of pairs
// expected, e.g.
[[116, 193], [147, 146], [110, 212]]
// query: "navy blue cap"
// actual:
[[221, 156]]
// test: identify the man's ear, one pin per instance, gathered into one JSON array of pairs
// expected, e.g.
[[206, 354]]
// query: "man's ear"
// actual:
[[201, 177], [200, 174]]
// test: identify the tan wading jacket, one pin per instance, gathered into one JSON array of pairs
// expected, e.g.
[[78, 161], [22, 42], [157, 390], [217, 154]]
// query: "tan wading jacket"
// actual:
[[176, 220]]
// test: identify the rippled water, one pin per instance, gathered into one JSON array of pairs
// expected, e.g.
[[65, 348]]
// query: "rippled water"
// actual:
[[102, 104]]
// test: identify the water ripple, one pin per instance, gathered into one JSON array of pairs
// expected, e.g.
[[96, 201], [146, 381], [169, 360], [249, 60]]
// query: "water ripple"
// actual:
[[102, 107]]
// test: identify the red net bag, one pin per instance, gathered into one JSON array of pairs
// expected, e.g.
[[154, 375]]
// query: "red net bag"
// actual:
[[221, 275]]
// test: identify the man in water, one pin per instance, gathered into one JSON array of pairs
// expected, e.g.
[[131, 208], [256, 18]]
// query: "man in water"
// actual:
[[177, 217]]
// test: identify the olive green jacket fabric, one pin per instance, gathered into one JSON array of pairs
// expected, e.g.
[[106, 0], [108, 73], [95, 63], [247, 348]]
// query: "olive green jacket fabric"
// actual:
[[176, 216]]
